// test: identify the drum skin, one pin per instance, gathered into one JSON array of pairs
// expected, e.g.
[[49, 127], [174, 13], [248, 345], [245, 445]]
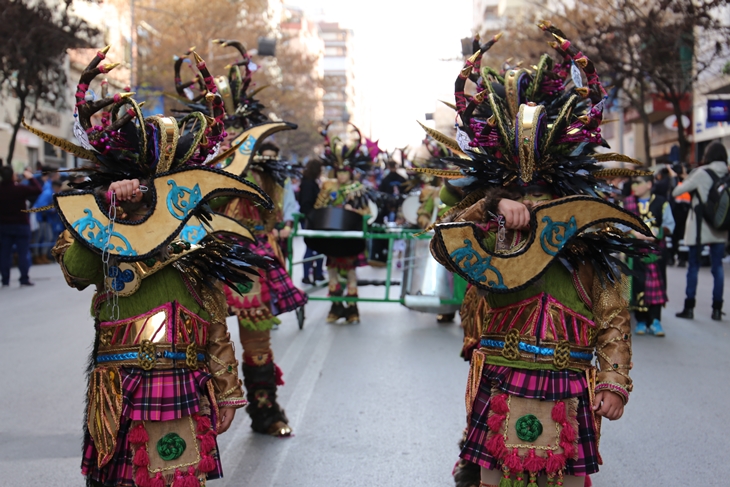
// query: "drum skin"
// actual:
[[335, 219]]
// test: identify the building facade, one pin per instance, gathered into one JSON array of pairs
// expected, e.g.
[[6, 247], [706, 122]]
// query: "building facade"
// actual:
[[339, 75]]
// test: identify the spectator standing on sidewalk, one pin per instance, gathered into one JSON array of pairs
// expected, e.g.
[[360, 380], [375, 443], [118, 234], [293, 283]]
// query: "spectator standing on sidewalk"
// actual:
[[43, 239], [14, 224], [308, 191], [698, 184]]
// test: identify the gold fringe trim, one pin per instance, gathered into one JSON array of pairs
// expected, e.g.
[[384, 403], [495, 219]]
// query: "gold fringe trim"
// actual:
[[63, 144]]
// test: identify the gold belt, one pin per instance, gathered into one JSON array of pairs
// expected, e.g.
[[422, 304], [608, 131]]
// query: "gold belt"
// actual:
[[513, 346], [150, 355]]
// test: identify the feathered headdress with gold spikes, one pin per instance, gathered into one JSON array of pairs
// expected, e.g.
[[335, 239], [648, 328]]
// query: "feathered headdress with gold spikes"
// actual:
[[537, 125], [357, 155]]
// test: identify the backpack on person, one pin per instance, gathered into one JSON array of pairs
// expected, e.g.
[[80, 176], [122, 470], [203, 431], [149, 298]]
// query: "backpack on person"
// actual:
[[716, 207]]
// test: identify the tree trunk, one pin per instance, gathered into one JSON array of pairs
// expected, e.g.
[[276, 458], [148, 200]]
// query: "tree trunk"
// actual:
[[684, 144], [646, 124], [16, 126]]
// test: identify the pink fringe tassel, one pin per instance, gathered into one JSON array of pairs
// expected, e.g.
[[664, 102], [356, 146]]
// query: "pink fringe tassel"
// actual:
[[494, 422], [558, 412], [513, 461], [495, 446], [138, 435], [533, 463], [203, 424], [207, 464], [207, 442], [158, 481], [141, 457], [555, 463], [499, 404], [567, 434], [142, 477]]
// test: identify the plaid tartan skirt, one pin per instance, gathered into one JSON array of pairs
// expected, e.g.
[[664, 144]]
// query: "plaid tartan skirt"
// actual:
[[648, 280], [547, 385], [156, 395], [284, 295], [347, 263]]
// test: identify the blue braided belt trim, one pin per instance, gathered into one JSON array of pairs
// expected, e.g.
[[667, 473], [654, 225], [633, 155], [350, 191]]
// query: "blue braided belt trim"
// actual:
[[119, 357], [529, 348]]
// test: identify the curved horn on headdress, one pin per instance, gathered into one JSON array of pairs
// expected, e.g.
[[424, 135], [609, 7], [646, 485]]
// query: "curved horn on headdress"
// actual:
[[483, 48], [86, 109], [179, 85], [245, 61], [357, 145], [595, 88], [460, 83]]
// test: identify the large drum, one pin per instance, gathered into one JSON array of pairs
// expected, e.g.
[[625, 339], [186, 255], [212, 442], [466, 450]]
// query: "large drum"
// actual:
[[335, 219], [426, 282]]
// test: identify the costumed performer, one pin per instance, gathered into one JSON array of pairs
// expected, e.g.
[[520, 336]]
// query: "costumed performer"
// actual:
[[535, 237], [345, 192], [162, 376], [257, 307], [648, 283]]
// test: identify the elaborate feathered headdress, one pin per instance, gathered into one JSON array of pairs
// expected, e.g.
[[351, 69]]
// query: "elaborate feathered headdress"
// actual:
[[243, 110], [244, 117], [532, 126], [538, 126], [356, 156], [176, 159]]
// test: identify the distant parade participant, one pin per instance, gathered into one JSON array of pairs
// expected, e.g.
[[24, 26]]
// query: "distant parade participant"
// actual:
[[257, 307], [648, 284], [534, 237], [162, 375], [345, 192]]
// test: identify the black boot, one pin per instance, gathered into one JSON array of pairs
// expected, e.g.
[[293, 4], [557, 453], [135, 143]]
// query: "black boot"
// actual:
[[352, 313], [267, 416], [337, 311], [689, 310], [717, 310]]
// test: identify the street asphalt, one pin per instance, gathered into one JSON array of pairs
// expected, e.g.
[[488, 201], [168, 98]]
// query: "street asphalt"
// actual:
[[380, 403]]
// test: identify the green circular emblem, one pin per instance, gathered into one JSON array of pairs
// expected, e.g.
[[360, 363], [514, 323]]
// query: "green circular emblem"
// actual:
[[245, 288], [170, 447], [528, 427]]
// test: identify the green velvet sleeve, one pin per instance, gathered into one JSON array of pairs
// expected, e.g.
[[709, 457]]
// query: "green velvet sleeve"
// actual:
[[83, 263], [448, 197]]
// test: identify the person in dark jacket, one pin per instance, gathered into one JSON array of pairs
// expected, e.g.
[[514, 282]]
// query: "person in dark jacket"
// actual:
[[14, 224], [308, 191]]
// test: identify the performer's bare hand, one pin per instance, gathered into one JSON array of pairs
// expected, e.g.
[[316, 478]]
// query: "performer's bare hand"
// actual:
[[516, 215], [126, 190], [609, 405], [348, 206], [285, 232], [226, 419]]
